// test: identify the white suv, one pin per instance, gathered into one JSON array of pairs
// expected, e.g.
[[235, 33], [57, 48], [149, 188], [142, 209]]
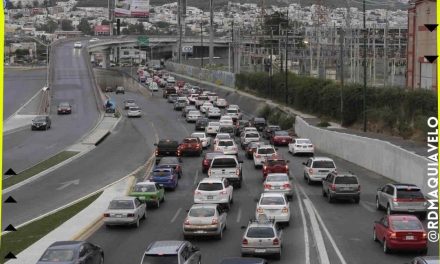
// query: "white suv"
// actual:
[[317, 168], [262, 153], [214, 190], [227, 146]]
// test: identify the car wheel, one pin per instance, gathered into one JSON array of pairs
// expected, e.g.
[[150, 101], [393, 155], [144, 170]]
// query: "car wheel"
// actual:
[[200, 261], [32, 128], [278, 255], [324, 194], [305, 178], [386, 250], [309, 182], [163, 198], [329, 198], [378, 206], [186, 237], [157, 203], [424, 251], [231, 201], [137, 223], [374, 235], [220, 235], [389, 211], [101, 260], [357, 199]]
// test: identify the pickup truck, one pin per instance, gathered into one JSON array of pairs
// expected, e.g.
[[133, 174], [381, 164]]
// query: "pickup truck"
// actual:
[[167, 91], [166, 148], [227, 166]]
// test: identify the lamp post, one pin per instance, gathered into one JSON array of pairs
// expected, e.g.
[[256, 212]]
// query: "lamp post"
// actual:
[[365, 70], [201, 41]]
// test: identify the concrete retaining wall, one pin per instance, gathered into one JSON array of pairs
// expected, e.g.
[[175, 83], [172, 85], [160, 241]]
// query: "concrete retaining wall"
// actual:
[[217, 77], [379, 156]]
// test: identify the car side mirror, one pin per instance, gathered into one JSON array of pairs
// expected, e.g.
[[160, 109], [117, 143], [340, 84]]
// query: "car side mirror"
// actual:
[[240, 161], [304, 163], [155, 144], [242, 227], [194, 248], [290, 177]]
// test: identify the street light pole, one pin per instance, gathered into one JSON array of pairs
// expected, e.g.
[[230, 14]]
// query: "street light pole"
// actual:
[[201, 41], [48, 65], [365, 71], [287, 41]]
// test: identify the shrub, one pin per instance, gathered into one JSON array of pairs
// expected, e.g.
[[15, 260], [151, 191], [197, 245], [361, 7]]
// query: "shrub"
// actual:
[[265, 111], [286, 121]]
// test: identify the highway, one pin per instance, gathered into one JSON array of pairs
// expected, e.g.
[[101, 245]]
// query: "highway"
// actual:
[[71, 82], [349, 226]]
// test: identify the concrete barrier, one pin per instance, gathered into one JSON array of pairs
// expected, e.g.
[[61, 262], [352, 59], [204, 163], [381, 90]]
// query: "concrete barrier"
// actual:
[[376, 155]]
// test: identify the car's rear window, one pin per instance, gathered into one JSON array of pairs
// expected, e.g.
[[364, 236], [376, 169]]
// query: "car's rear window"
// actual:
[[161, 259], [406, 225], [210, 186], [190, 140], [121, 204], [203, 98], [226, 143], [409, 194], [281, 133], [160, 173], [272, 200], [223, 136], [303, 141], [134, 108], [252, 135], [232, 111], [323, 164], [226, 129], [64, 105], [224, 163], [277, 178], [165, 143], [260, 232], [58, 255], [145, 188], [276, 162], [346, 180], [202, 212], [266, 151], [182, 101], [214, 124]]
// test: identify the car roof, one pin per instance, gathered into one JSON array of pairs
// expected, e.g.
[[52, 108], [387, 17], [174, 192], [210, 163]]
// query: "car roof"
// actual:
[[145, 183], [204, 206], [225, 156], [321, 158], [277, 174], [66, 244], [265, 147], [403, 217], [123, 198], [404, 186], [272, 194], [211, 180], [213, 153], [164, 247]]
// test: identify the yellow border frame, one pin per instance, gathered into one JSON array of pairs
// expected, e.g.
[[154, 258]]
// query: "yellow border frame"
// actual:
[[2, 41]]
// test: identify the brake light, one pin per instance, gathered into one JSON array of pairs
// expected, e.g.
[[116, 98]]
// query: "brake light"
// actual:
[[157, 152], [209, 173], [206, 162], [424, 235], [257, 156], [186, 222], [333, 187], [214, 221], [285, 210], [260, 210], [310, 146], [276, 241], [223, 192], [237, 172], [392, 235], [244, 242], [106, 215], [264, 167], [267, 186], [130, 215], [197, 192], [359, 188], [286, 167], [287, 185]]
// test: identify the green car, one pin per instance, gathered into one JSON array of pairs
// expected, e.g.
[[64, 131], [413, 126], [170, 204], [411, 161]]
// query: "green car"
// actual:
[[149, 192]]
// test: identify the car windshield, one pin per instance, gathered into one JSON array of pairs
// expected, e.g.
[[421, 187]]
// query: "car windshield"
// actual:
[[406, 225], [134, 108], [323, 164], [198, 135], [259, 120], [161, 173], [202, 212], [58, 255], [232, 111], [214, 124], [40, 119], [226, 129], [121, 204], [145, 188], [190, 140], [346, 180], [64, 105], [260, 232], [194, 112], [277, 178], [252, 135], [270, 200], [210, 186], [409, 194], [224, 163], [266, 151], [281, 133], [276, 162], [160, 259], [303, 141], [226, 143]]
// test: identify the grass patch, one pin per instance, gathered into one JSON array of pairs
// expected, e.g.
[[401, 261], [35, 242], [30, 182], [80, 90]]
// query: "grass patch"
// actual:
[[44, 165], [25, 236]]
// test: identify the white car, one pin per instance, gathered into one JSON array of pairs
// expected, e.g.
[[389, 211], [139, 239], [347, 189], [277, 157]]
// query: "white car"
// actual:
[[214, 112], [153, 87], [201, 99], [134, 111], [250, 129], [278, 182], [125, 211], [206, 141], [317, 168], [227, 146], [262, 153], [248, 137], [233, 106], [204, 220], [171, 79], [234, 113], [274, 206], [226, 121], [220, 136], [77, 45], [221, 103], [301, 145], [212, 128], [212, 96], [193, 115], [94, 40], [205, 106], [214, 190]]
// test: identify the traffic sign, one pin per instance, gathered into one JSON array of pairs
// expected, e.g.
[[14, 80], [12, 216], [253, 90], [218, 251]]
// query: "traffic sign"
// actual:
[[143, 41], [187, 49]]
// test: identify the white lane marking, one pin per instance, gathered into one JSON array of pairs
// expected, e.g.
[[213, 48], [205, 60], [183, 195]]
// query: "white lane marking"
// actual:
[[175, 216], [239, 215], [155, 132], [319, 240], [196, 177], [306, 231], [332, 241], [64, 185], [367, 207]]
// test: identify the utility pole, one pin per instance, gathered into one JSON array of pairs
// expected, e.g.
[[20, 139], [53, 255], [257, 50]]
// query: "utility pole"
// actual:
[[179, 24], [201, 41], [211, 32], [271, 55], [287, 44], [341, 45], [365, 70], [233, 48]]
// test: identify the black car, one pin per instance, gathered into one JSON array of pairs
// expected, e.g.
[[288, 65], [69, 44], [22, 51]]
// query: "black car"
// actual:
[[259, 123], [240, 125], [64, 108], [166, 148], [72, 252], [243, 261], [201, 123], [41, 123], [109, 89], [269, 130]]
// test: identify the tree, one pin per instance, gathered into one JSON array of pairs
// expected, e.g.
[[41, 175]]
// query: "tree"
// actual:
[[18, 16], [105, 22], [28, 5], [84, 27], [125, 31], [66, 25], [19, 5], [49, 27], [162, 24], [35, 3]]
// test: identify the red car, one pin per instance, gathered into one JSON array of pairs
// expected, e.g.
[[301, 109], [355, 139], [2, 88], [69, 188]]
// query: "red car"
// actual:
[[180, 84], [275, 165], [206, 163], [191, 145], [400, 232], [280, 138]]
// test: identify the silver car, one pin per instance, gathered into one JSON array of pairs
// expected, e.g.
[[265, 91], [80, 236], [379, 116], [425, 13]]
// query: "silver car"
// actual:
[[262, 237], [129, 103], [317, 168], [205, 220], [125, 211], [401, 198], [278, 182]]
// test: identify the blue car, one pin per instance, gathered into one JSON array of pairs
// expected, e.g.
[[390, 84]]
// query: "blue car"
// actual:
[[165, 176]]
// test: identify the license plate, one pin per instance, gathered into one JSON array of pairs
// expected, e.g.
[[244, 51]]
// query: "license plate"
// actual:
[[260, 250], [345, 188], [276, 187], [210, 197], [409, 238], [118, 216], [200, 232]]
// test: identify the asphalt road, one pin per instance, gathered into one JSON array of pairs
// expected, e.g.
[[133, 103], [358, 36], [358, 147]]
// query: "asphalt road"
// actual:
[[19, 86], [71, 82], [349, 225]]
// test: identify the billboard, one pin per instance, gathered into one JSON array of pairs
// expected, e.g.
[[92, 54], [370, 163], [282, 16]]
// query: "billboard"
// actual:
[[132, 8]]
